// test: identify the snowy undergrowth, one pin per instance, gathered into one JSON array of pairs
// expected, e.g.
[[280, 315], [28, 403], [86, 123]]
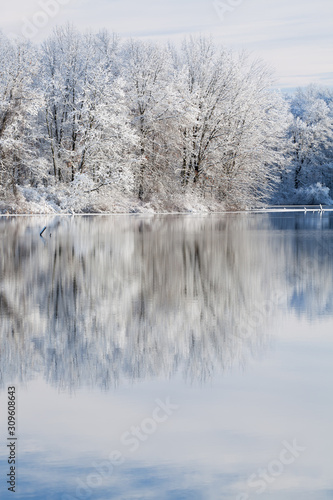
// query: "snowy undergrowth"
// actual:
[[80, 198], [314, 194]]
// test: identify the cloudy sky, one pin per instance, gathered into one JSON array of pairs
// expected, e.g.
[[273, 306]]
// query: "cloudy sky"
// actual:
[[294, 36]]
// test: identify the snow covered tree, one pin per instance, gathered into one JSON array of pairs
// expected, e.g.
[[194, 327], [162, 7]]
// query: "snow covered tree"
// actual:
[[18, 109], [311, 134], [237, 130], [86, 116], [148, 86]]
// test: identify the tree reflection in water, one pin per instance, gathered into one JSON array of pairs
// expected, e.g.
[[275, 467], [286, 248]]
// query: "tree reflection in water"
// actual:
[[107, 299]]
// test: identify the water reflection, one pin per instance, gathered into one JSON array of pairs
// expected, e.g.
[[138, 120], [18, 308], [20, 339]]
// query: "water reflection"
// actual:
[[104, 299]]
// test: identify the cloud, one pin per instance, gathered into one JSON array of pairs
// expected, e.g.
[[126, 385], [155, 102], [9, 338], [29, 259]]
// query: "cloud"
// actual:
[[294, 37]]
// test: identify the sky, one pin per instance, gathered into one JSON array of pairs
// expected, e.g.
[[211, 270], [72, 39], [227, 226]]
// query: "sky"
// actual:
[[294, 37]]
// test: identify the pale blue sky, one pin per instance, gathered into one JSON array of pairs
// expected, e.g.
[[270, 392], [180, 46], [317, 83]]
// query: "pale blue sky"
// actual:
[[294, 36]]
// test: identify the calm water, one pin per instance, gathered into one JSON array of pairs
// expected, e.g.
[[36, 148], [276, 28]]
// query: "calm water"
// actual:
[[168, 357]]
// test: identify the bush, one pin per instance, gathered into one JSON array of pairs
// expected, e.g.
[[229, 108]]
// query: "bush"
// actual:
[[313, 195]]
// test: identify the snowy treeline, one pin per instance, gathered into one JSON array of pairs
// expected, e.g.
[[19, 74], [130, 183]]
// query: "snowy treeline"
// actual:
[[89, 122]]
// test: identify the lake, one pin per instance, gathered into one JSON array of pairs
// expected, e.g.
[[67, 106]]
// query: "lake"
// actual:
[[167, 357]]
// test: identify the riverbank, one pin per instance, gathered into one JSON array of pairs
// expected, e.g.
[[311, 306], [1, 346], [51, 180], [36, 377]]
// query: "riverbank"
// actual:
[[61, 200]]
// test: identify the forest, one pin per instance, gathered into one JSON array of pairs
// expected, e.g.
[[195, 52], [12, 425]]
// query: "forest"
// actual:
[[90, 123]]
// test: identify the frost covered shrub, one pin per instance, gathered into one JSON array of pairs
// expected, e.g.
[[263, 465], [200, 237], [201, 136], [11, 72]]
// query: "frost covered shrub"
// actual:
[[30, 194], [37, 200], [80, 190], [313, 195]]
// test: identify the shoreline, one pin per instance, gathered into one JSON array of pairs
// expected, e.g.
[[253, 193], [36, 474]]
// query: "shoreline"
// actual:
[[297, 208]]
